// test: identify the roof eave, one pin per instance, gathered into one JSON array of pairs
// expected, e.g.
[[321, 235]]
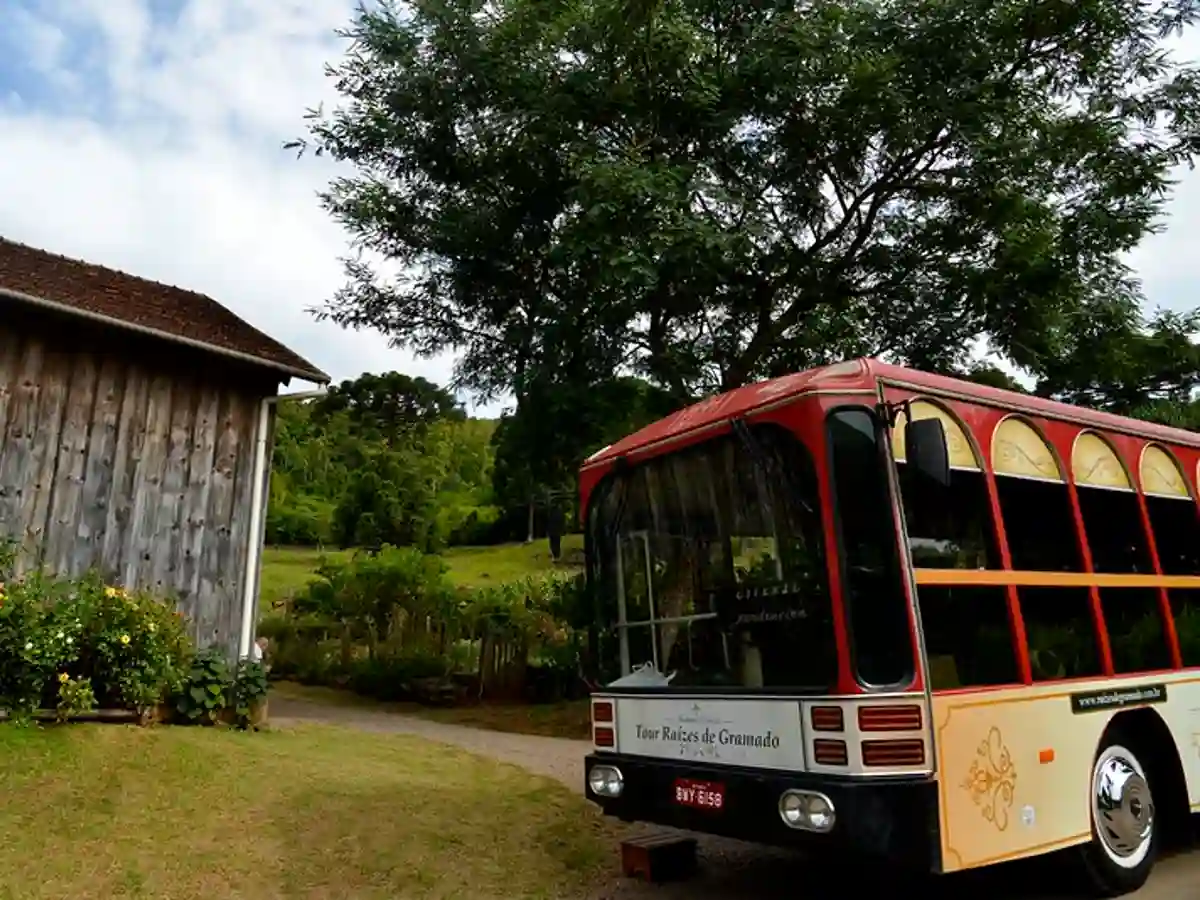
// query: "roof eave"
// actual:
[[313, 374]]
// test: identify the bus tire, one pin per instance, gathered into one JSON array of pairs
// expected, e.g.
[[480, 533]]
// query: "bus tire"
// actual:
[[1125, 828]]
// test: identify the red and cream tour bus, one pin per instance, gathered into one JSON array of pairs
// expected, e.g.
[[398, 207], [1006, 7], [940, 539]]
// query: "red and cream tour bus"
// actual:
[[904, 614]]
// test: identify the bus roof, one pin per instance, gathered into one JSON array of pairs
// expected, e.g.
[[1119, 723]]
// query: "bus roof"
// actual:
[[867, 374]]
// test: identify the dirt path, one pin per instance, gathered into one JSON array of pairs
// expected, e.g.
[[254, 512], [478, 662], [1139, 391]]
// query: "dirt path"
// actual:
[[730, 869]]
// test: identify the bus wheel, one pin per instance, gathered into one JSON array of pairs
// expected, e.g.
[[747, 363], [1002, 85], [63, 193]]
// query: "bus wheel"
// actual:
[[1125, 831]]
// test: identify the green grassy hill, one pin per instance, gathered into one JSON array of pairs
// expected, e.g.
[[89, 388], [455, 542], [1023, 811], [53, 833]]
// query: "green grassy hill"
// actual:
[[286, 570]]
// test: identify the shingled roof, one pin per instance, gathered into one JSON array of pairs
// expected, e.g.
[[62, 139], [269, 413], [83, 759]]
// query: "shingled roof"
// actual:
[[148, 306]]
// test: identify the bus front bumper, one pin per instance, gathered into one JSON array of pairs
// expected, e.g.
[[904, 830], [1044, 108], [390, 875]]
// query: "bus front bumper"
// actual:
[[892, 818]]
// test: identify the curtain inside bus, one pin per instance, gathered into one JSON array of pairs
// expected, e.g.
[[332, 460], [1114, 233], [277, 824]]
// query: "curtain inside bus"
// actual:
[[709, 563]]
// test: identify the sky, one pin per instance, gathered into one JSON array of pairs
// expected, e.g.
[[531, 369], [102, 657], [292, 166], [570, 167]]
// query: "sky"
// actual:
[[146, 135]]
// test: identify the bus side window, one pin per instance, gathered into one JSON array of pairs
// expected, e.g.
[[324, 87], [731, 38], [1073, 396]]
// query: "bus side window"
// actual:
[[968, 638], [1177, 538], [1042, 537], [1112, 521]]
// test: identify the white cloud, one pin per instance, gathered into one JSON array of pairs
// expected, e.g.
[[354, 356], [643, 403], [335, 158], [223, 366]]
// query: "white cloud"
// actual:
[[155, 146], [152, 142]]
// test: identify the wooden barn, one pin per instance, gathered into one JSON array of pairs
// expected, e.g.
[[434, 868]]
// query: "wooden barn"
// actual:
[[135, 424]]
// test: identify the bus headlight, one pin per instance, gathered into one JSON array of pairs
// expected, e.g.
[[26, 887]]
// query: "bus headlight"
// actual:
[[807, 811], [606, 781]]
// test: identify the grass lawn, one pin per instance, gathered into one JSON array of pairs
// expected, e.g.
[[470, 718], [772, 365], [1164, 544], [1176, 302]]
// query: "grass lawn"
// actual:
[[286, 570], [318, 813], [481, 566], [568, 720]]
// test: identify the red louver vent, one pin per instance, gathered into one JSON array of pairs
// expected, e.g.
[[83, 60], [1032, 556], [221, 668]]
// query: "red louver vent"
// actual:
[[827, 718], [830, 753], [889, 718], [905, 752]]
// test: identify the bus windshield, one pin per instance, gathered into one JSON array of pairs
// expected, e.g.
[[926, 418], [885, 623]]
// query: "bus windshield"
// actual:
[[711, 565]]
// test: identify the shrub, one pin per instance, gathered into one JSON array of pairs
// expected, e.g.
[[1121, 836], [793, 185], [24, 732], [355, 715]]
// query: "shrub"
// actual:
[[136, 647], [97, 643], [296, 520], [212, 691], [75, 696], [1187, 627], [72, 644], [393, 596], [474, 526], [389, 677], [41, 631], [250, 688], [385, 621], [205, 690]]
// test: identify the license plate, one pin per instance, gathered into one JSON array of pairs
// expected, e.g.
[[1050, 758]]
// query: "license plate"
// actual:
[[699, 794]]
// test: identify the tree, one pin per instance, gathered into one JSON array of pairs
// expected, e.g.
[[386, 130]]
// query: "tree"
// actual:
[[540, 446], [390, 405], [709, 191], [384, 459], [1120, 363]]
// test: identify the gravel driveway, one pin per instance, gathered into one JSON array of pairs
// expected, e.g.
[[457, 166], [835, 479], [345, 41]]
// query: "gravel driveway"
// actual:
[[731, 869]]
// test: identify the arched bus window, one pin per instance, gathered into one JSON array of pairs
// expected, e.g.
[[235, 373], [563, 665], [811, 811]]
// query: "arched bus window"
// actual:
[[968, 638], [1112, 522], [1177, 538], [1039, 524]]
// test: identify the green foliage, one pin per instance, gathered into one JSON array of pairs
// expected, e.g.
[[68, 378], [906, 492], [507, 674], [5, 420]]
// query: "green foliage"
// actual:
[[383, 459], [390, 625], [709, 192], [388, 407], [557, 424], [39, 633], [9, 551], [1187, 627], [379, 592], [137, 647], [75, 697], [1122, 363], [128, 647], [204, 692], [395, 676], [249, 688]]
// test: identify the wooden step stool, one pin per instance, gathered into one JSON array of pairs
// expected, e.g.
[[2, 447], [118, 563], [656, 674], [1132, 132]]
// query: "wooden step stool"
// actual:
[[659, 857]]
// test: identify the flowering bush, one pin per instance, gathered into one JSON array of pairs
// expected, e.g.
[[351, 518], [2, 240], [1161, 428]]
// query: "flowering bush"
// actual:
[[137, 647], [75, 696], [62, 639], [40, 632]]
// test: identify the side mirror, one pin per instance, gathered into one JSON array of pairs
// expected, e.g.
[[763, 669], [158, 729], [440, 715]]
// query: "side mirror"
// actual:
[[926, 452]]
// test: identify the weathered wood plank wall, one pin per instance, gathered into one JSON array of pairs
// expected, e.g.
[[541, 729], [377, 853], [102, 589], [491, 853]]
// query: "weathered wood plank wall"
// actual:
[[138, 464]]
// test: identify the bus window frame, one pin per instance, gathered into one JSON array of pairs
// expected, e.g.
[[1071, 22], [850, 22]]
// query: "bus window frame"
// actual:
[[1016, 623], [914, 679], [620, 626]]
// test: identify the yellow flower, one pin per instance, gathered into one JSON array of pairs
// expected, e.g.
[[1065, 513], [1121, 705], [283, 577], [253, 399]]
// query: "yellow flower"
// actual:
[[111, 592], [63, 677], [124, 639]]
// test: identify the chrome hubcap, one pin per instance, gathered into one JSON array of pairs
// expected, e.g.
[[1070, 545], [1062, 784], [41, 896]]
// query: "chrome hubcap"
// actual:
[[1124, 809]]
